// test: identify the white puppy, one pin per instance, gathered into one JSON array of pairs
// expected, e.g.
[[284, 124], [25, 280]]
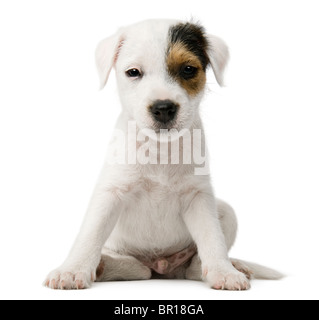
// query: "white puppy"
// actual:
[[153, 215]]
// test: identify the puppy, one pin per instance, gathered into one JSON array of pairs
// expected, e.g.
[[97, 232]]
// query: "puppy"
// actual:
[[152, 214]]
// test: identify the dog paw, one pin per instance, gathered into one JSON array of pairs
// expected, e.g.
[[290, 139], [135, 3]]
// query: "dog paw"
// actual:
[[227, 280], [70, 279], [241, 267]]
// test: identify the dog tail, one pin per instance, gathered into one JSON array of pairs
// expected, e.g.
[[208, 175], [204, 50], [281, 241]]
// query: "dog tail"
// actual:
[[256, 271]]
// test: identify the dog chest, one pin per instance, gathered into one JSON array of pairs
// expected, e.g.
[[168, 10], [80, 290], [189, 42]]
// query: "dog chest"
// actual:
[[151, 221]]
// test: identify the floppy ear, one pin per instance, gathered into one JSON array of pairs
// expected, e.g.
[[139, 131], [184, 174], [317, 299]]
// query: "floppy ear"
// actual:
[[106, 54], [218, 54]]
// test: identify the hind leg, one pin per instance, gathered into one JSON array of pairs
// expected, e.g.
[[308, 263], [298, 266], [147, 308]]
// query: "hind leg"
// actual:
[[228, 221], [116, 267], [194, 271], [243, 268]]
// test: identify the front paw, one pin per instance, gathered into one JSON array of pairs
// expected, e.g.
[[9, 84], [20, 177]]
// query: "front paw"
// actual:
[[70, 278], [227, 279]]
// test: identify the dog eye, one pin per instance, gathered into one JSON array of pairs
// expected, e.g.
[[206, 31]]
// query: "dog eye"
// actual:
[[133, 73], [188, 72]]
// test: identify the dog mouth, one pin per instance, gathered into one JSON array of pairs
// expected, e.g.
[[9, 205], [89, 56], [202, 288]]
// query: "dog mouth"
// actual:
[[159, 126]]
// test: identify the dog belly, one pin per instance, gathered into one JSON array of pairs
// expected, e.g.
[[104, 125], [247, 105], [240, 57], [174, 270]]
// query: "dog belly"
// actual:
[[150, 227]]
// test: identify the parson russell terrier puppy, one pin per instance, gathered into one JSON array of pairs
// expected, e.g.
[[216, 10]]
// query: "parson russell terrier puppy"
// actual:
[[152, 214]]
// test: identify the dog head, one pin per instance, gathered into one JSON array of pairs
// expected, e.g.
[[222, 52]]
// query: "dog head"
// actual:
[[161, 70]]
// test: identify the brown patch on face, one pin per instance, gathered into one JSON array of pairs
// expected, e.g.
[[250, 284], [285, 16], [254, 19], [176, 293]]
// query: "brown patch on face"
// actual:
[[180, 61]]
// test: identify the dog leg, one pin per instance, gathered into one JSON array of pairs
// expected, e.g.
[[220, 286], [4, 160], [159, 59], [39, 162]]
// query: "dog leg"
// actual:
[[228, 222], [79, 269], [194, 271], [214, 233], [116, 267]]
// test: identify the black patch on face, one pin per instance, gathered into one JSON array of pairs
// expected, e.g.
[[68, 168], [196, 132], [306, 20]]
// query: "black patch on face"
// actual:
[[192, 36]]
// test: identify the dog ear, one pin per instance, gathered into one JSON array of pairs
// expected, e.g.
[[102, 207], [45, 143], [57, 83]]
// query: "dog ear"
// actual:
[[106, 55], [218, 54]]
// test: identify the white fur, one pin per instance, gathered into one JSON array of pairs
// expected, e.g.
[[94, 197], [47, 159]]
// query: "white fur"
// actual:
[[152, 210]]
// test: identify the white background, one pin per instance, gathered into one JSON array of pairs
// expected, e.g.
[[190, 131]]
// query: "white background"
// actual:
[[263, 131]]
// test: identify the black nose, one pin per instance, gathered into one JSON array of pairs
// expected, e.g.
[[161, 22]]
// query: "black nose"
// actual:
[[164, 110]]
